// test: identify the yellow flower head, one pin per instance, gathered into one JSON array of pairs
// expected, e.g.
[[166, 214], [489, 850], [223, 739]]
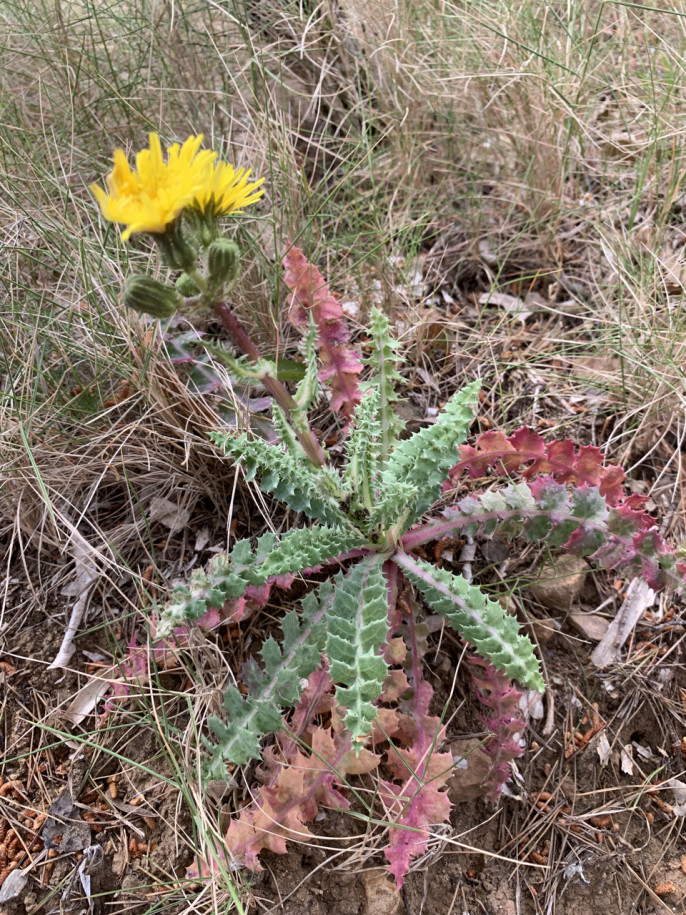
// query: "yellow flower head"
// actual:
[[151, 196], [228, 190]]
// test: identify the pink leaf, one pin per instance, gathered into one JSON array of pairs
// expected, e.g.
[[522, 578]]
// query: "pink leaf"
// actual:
[[300, 784], [409, 837], [420, 800], [526, 452], [497, 693], [311, 295]]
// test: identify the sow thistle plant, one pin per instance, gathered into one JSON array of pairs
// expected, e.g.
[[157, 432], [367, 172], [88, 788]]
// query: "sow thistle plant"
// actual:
[[346, 678]]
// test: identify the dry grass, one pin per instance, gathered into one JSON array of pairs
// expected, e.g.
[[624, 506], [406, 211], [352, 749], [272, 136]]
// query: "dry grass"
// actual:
[[521, 148]]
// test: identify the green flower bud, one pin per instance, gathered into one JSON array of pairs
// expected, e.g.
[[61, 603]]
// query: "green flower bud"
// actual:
[[149, 296], [204, 228], [186, 286], [222, 261], [175, 249]]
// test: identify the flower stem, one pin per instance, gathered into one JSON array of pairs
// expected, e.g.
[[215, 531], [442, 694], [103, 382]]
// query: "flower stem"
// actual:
[[276, 388], [198, 279]]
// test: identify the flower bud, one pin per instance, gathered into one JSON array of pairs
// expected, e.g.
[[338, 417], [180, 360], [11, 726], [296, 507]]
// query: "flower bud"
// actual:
[[186, 286], [149, 296], [222, 261], [175, 248]]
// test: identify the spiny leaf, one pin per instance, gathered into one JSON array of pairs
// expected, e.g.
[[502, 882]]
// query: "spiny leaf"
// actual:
[[383, 361], [284, 807], [496, 692], [228, 577], [364, 450], [621, 537], [309, 388], [311, 296], [525, 452], [418, 800], [391, 501], [279, 684], [425, 458], [477, 618], [357, 626], [303, 549], [286, 435], [239, 737], [297, 777], [289, 479]]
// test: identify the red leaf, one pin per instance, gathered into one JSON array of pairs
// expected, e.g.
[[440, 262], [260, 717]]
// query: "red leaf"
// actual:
[[297, 782], [310, 294], [420, 800], [300, 785], [496, 692], [526, 453]]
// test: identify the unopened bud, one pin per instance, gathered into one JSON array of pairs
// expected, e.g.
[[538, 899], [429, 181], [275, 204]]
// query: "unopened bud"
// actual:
[[222, 261], [186, 286], [175, 248], [149, 296]]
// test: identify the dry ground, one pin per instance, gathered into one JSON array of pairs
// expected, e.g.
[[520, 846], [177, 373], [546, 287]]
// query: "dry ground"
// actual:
[[505, 180]]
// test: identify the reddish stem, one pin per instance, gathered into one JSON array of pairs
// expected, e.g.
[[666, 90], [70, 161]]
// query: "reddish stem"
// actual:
[[276, 388]]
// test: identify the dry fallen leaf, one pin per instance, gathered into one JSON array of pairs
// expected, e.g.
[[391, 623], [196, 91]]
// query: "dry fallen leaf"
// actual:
[[169, 514], [510, 303], [679, 789], [639, 596], [626, 759], [531, 704], [603, 748], [14, 884], [64, 821], [87, 697]]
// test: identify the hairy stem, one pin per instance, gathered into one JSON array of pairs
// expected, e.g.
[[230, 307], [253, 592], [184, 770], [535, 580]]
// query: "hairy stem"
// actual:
[[276, 388]]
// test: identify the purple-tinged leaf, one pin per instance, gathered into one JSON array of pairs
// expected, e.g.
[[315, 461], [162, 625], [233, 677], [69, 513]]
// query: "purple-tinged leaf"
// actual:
[[419, 800], [526, 453], [311, 295], [497, 693], [620, 537]]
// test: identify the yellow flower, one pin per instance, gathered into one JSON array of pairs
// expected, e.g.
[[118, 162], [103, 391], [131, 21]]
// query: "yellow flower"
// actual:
[[150, 197], [228, 190]]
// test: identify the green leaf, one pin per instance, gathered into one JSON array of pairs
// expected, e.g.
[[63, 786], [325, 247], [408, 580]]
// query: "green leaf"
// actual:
[[288, 478], [479, 620], [425, 459], [364, 451], [275, 686], [289, 369], [309, 388], [228, 576], [384, 361], [357, 627], [306, 548]]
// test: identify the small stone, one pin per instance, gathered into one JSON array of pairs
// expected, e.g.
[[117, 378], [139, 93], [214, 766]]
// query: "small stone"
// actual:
[[472, 766], [560, 585], [591, 625], [544, 630], [382, 895]]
